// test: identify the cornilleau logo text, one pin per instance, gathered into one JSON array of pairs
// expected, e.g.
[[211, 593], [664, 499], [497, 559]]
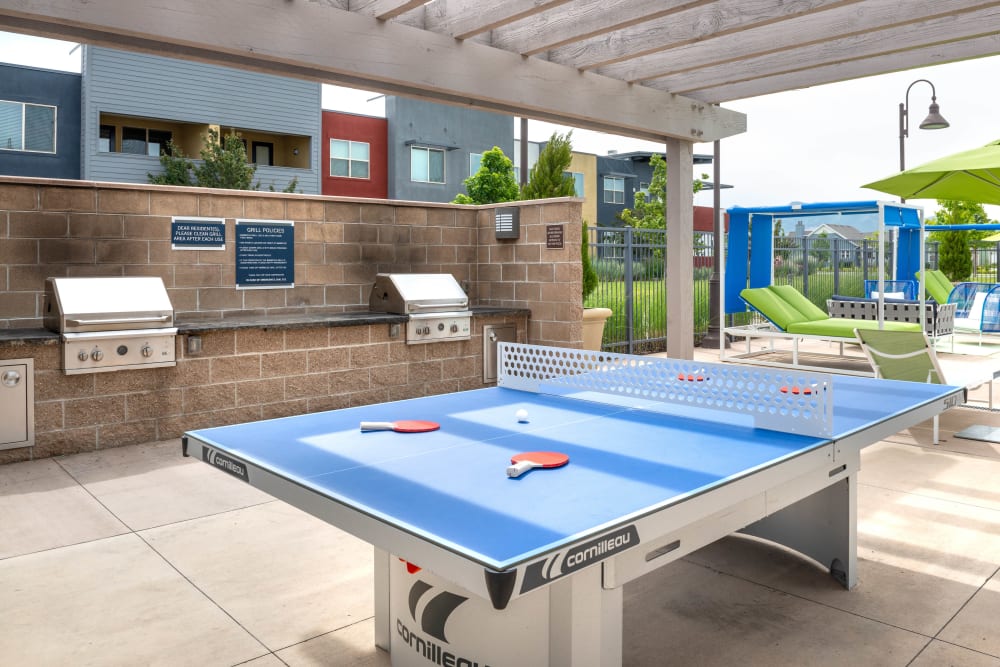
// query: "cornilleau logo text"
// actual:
[[226, 463], [560, 564], [581, 557], [432, 621]]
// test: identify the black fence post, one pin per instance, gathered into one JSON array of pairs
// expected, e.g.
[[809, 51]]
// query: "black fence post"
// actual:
[[629, 291], [805, 266], [835, 260]]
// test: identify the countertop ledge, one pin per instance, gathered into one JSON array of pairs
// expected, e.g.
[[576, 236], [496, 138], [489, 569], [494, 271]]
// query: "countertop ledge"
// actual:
[[291, 321]]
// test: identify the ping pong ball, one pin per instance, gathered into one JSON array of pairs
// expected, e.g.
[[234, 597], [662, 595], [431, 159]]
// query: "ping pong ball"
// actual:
[[522, 415]]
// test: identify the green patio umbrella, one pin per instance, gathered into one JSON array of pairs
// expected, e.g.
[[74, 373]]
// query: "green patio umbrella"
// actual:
[[972, 175]]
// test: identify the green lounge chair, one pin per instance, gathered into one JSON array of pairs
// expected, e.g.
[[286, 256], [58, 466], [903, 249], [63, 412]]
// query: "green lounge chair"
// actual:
[[937, 285], [902, 355], [791, 312]]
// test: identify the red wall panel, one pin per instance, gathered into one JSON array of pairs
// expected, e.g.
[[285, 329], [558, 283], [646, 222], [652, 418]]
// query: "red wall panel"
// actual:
[[373, 131]]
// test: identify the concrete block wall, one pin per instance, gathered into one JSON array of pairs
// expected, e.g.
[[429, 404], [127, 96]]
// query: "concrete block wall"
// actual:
[[241, 375], [74, 228], [244, 372]]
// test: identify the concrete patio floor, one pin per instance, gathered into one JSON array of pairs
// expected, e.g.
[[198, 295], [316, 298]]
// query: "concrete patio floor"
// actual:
[[137, 556]]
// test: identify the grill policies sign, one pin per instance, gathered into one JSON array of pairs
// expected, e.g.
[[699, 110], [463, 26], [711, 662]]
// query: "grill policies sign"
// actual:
[[265, 254]]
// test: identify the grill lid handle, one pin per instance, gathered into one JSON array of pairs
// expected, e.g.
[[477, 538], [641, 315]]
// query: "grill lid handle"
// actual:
[[453, 304], [122, 320]]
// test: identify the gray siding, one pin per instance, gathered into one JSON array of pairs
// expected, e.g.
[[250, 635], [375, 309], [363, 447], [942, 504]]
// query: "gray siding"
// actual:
[[459, 130], [134, 84]]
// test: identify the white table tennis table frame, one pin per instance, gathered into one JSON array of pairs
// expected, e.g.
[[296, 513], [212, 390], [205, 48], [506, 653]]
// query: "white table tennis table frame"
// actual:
[[807, 502]]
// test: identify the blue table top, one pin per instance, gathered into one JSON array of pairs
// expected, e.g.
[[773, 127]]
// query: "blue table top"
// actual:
[[450, 486]]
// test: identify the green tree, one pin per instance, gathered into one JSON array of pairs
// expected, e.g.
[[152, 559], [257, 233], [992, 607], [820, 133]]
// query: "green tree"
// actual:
[[224, 164], [176, 167], [954, 253], [819, 250], [493, 183], [548, 177], [590, 277], [649, 210], [954, 256]]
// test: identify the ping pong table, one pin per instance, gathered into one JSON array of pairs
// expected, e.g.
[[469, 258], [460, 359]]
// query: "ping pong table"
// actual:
[[666, 456]]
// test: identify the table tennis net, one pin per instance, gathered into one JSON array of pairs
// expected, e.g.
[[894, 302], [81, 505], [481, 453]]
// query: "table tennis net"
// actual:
[[776, 399]]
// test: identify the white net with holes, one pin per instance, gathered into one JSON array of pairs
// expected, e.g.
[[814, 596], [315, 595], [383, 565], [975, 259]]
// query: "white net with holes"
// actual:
[[776, 399]]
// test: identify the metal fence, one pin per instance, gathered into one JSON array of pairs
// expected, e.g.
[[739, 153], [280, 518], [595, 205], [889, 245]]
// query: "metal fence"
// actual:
[[630, 265]]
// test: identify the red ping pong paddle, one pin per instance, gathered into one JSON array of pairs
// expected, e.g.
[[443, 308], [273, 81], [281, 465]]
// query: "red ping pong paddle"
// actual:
[[402, 426], [528, 460]]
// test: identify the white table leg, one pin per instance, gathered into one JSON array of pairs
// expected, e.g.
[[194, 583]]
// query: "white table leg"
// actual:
[[585, 622], [822, 526], [382, 624]]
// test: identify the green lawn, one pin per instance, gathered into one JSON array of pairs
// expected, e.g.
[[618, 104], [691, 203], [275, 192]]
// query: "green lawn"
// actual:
[[649, 303]]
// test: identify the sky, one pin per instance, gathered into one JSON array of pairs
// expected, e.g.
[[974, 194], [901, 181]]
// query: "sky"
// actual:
[[812, 145]]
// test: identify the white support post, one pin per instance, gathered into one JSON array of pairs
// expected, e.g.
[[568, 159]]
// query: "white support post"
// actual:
[[381, 589], [679, 275], [585, 621]]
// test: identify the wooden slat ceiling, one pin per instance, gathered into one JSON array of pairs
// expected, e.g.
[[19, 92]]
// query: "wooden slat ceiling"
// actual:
[[653, 69], [716, 50]]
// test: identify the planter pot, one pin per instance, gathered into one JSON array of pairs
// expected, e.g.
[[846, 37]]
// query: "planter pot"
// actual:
[[593, 327]]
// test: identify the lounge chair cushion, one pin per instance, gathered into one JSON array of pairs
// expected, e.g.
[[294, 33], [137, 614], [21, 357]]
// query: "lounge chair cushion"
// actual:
[[844, 327], [937, 285], [773, 306], [799, 302]]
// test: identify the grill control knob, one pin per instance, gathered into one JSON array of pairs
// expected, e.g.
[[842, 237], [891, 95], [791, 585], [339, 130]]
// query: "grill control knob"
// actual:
[[454, 328], [441, 326], [83, 355], [147, 351], [96, 355]]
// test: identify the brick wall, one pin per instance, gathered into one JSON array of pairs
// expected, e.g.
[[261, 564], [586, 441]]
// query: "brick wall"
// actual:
[[241, 375], [73, 228]]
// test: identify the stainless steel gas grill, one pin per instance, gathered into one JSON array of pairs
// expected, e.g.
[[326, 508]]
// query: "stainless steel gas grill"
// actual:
[[437, 305], [111, 324]]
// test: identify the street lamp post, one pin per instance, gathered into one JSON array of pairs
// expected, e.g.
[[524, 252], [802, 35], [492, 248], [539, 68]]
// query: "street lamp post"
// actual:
[[934, 120]]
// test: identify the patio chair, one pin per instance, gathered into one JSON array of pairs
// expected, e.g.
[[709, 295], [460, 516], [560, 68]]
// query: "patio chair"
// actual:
[[977, 305], [902, 355], [937, 285]]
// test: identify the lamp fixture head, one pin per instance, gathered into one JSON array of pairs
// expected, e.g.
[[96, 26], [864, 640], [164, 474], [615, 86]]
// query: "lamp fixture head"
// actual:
[[934, 120]]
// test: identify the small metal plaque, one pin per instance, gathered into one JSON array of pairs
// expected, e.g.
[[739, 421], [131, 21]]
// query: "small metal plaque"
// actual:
[[554, 236]]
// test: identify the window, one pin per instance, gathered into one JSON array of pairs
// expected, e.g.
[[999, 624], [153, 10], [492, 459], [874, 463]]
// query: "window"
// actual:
[[134, 140], [614, 190], [426, 165], [27, 127], [475, 162], [138, 140], [577, 182], [157, 142], [263, 153], [349, 159], [644, 189], [106, 143]]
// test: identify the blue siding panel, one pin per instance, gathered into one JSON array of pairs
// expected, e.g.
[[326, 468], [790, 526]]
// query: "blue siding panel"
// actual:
[[58, 89]]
